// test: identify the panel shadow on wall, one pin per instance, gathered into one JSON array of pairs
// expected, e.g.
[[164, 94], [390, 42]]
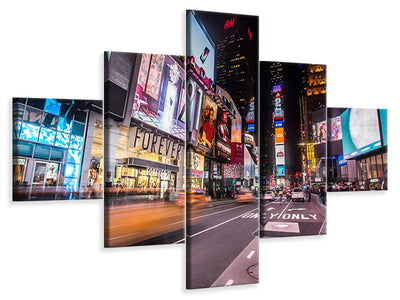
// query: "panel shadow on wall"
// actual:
[[222, 150], [144, 149], [357, 149], [293, 149], [57, 149]]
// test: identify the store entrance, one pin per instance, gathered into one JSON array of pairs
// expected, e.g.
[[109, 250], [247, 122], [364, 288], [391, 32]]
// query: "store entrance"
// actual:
[[45, 174]]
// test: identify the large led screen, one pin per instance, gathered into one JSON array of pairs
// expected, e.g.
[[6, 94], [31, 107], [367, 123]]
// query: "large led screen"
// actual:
[[360, 131], [200, 45]]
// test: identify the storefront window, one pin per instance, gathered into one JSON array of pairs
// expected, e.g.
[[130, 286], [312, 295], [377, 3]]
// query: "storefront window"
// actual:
[[384, 163], [379, 165], [95, 175], [369, 169], [39, 174], [18, 170], [373, 167]]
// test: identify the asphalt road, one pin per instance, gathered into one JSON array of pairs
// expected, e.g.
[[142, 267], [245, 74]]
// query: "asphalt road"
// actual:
[[135, 225], [282, 217], [222, 245]]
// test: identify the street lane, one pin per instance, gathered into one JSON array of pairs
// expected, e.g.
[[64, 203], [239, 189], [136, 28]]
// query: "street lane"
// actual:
[[128, 225], [216, 237], [283, 217]]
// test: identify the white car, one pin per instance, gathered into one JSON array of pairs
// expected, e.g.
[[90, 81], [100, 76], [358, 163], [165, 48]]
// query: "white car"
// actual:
[[269, 195], [298, 194]]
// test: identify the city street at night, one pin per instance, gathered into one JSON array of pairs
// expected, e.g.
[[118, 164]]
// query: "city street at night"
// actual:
[[283, 217], [223, 244]]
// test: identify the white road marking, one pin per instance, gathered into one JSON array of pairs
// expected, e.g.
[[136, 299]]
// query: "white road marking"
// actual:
[[251, 254], [215, 226], [230, 281], [290, 209], [284, 209], [218, 212]]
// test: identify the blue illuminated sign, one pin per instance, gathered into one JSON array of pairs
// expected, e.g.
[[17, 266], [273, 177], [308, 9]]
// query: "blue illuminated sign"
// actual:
[[250, 127], [280, 171], [279, 124], [62, 139]]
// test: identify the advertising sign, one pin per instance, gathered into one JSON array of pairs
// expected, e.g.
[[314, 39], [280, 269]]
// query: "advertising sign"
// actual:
[[223, 135], [280, 154], [160, 78], [276, 88], [237, 155], [200, 45], [360, 131], [279, 124], [280, 171], [334, 129], [207, 129], [278, 113], [279, 135], [319, 132], [236, 134]]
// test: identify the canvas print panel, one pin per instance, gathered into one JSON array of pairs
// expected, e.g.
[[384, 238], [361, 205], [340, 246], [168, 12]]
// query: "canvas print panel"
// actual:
[[144, 146], [357, 149], [293, 149], [57, 149], [222, 150]]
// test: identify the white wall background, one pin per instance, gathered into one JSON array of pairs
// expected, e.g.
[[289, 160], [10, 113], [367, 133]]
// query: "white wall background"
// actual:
[[53, 250]]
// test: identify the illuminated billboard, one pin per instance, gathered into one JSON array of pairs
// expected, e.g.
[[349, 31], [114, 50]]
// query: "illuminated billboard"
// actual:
[[278, 113], [279, 136], [236, 132], [223, 135], [280, 171], [276, 88], [360, 131], [280, 154], [199, 45], [334, 129], [159, 96], [207, 129], [319, 132], [279, 124]]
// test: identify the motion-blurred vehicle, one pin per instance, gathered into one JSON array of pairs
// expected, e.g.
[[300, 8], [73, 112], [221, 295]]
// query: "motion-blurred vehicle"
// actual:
[[198, 198], [298, 194], [244, 196]]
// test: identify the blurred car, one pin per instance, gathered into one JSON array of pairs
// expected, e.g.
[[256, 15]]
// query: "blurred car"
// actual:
[[244, 197], [197, 199], [269, 195], [298, 194]]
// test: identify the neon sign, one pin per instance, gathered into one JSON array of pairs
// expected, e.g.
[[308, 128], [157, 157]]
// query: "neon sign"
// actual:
[[229, 23]]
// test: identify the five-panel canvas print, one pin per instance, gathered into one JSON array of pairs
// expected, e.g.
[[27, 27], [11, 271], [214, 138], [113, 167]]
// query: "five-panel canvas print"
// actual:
[[212, 149]]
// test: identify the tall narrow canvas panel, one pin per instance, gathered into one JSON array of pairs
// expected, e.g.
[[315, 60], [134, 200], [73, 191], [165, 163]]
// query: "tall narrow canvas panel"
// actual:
[[57, 149], [222, 181], [293, 156], [144, 149], [357, 149]]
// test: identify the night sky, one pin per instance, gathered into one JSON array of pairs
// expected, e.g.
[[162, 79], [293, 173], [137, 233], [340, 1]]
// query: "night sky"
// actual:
[[291, 88]]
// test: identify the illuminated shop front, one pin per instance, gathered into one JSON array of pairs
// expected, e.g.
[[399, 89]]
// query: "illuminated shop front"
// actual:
[[147, 159], [195, 169], [50, 146]]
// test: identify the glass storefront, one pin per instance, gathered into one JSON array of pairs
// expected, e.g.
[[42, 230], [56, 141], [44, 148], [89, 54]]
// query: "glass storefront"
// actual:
[[372, 172], [95, 174]]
